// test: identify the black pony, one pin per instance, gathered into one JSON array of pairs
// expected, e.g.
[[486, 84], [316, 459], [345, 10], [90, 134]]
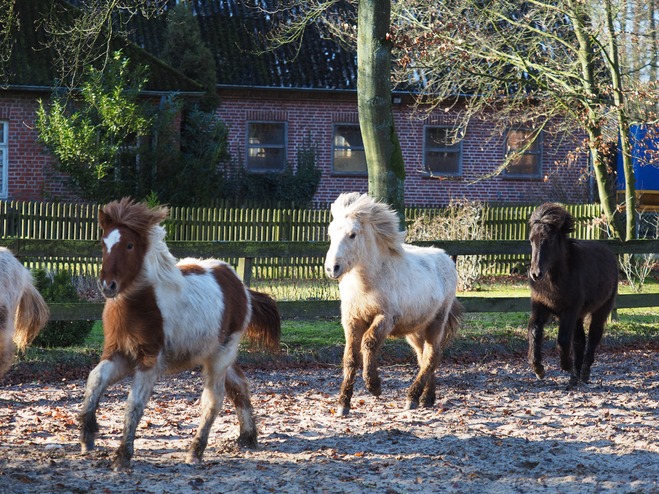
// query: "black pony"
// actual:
[[570, 279]]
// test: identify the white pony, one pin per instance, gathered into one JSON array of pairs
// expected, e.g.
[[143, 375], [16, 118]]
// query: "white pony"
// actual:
[[389, 288], [23, 312]]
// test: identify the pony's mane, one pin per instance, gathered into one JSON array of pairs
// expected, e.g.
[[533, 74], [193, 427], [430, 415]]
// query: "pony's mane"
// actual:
[[378, 215], [553, 215], [134, 215]]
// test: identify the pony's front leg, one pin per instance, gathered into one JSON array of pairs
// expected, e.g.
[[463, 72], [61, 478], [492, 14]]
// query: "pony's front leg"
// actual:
[[354, 331], [139, 395], [106, 373], [539, 317], [371, 342]]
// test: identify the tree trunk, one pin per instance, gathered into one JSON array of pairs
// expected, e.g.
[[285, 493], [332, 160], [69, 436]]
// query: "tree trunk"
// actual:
[[593, 124], [623, 126], [386, 170]]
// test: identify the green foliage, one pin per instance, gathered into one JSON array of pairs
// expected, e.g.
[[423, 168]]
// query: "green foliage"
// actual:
[[290, 187], [185, 51], [95, 134], [60, 290], [197, 177]]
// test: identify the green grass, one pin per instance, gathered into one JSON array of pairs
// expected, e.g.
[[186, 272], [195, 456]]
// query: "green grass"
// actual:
[[322, 339]]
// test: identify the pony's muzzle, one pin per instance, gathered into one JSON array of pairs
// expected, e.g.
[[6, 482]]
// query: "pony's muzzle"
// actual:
[[536, 274], [109, 290], [333, 270]]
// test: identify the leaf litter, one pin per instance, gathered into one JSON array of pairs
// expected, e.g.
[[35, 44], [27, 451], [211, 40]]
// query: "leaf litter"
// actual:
[[494, 429]]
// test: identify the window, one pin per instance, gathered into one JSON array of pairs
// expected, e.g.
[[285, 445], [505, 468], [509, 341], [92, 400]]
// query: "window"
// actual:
[[441, 155], [4, 158], [348, 150], [266, 146], [529, 164]]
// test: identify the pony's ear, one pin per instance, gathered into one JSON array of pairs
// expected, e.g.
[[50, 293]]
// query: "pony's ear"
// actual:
[[568, 223], [160, 214], [104, 219]]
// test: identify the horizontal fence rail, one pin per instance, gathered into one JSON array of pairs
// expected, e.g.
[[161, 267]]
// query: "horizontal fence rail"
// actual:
[[248, 250], [309, 309]]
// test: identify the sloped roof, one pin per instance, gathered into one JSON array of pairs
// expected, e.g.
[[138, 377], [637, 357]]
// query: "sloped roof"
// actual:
[[232, 30], [31, 62]]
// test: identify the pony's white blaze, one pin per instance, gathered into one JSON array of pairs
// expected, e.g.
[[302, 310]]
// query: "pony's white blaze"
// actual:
[[112, 239]]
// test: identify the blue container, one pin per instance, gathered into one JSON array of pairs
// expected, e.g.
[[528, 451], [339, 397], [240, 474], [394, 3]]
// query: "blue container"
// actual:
[[645, 159]]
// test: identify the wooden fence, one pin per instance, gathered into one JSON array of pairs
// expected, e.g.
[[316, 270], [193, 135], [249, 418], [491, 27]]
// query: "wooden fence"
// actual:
[[53, 221], [254, 250]]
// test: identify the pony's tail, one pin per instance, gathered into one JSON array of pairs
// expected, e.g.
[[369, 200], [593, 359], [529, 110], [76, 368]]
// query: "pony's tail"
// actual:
[[264, 329], [453, 323], [32, 314]]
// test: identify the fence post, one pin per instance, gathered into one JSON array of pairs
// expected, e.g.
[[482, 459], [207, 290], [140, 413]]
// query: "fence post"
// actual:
[[245, 270]]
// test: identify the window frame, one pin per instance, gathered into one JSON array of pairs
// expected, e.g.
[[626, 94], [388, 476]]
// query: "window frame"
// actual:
[[459, 150], [539, 153], [283, 146], [335, 125], [4, 162]]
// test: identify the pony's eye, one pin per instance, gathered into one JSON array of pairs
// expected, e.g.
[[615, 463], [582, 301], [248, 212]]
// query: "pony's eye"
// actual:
[[352, 235], [129, 246]]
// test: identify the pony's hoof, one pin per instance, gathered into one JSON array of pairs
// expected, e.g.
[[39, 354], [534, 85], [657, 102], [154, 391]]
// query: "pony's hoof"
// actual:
[[539, 372], [119, 465], [574, 382], [375, 388], [342, 411], [86, 447], [427, 403], [192, 459], [248, 441], [411, 405]]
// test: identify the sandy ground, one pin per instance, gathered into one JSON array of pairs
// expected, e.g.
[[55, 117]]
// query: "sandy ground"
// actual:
[[496, 429]]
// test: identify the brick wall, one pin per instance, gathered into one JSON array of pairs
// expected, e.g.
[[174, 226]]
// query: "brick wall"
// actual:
[[29, 176], [314, 113]]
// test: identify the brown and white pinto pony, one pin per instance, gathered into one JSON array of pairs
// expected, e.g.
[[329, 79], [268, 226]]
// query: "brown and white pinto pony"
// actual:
[[162, 317], [23, 312], [389, 289]]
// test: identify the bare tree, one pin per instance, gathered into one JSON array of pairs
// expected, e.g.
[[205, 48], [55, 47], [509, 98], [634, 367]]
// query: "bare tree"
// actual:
[[556, 65], [371, 38], [84, 36]]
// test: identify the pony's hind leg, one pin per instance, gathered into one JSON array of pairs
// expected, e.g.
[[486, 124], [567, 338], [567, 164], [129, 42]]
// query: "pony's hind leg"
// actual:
[[106, 373], [212, 398], [539, 317], [237, 388], [422, 391], [578, 347], [595, 332]]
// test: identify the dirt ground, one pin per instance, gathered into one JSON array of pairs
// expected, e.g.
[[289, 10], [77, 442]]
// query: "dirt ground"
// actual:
[[495, 429]]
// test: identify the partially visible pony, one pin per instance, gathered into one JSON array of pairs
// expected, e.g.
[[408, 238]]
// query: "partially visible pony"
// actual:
[[164, 317], [571, 279], [389, 288], [23, 312]]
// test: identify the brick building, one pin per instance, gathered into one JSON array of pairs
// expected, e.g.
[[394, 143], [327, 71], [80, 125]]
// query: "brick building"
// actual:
[[272, 103]]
